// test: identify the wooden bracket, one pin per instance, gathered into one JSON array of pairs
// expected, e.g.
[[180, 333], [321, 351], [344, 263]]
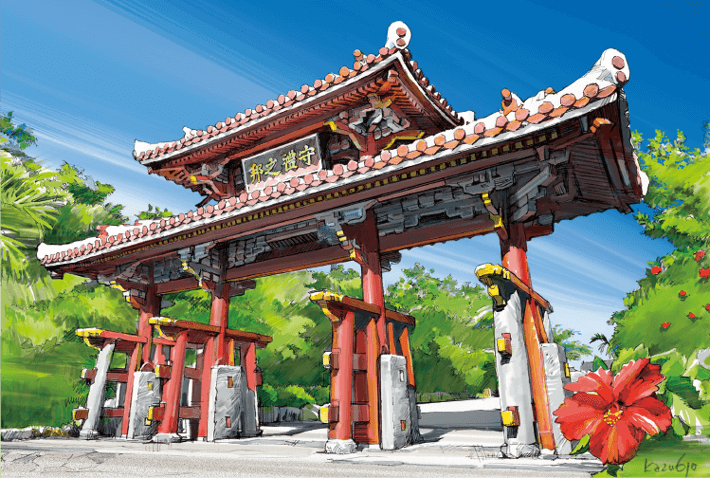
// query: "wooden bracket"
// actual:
[[495, 216]]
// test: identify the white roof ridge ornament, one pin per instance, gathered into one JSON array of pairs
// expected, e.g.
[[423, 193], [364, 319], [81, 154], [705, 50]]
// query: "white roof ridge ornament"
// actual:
[[398, 36]]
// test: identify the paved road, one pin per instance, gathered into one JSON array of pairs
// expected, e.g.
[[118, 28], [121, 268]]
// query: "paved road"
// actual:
[[293, 450]]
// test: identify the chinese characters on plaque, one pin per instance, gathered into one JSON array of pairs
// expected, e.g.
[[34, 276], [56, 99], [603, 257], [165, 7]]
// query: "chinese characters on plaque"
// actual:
[[295, 159]]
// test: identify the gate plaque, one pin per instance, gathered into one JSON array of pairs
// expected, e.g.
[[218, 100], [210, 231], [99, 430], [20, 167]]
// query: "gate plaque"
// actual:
[[291, 160]]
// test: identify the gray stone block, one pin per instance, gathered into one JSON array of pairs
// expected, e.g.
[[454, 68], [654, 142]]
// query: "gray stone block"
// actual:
[[554, 359], [395, 402], [514, 378], [227, 402], [97, 393], [146, 394]]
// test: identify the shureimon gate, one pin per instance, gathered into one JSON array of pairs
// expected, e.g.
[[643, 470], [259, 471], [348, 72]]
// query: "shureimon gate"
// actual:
[[354, 167]]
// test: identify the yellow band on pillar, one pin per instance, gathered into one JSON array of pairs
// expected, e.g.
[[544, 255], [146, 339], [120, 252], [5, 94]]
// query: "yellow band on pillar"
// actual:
[[325, 413]]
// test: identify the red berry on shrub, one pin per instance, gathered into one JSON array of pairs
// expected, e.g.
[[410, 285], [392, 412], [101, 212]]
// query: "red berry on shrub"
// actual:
[[691, 315], [682, 293], [655, 270], [699, 255], [666, 325]]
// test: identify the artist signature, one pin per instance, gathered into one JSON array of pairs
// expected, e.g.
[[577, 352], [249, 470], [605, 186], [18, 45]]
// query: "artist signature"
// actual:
[[679, 466]]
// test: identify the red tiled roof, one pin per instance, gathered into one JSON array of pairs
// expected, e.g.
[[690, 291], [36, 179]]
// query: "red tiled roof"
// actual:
[[516, 119], [398, 40]]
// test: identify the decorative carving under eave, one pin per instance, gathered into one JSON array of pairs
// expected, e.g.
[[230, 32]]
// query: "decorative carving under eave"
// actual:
[[372, 126]]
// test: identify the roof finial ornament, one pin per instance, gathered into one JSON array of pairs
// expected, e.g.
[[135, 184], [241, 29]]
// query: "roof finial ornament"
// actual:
[[398, 36]]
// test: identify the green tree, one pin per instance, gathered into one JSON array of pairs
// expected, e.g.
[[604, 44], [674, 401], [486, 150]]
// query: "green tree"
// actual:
[[30, 200], [453, 340], [668, 317], [154, 213], [14, 138], [671, 307], [574, 348]]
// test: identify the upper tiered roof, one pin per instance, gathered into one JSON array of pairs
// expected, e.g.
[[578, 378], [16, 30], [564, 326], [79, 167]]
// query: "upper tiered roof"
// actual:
[[391, 73], [518, 126]]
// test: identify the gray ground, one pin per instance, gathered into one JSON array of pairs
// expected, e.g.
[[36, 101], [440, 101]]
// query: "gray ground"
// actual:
[[289, 450]]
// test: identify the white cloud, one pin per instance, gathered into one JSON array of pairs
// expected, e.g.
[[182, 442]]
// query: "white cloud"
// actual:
[[73, 132]]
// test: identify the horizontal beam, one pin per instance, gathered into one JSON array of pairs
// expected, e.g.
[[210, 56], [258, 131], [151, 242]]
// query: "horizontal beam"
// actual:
[[192, 372], [345, 303], [189, 412], [117, 376], [279, 265], [456, 229], [112, 412], [290, 216], [175, 325], [399, 317]]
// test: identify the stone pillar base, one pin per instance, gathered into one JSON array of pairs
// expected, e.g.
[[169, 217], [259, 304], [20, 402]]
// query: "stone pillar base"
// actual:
[[340, 447], [166, 438], [89, 434], [520, 451]]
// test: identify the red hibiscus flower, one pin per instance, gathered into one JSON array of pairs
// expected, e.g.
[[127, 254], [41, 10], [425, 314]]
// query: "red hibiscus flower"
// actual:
[[616, 412], [665, 325], [699, 255], [655, 270], [705, 273], [691, 315], [682, 293]]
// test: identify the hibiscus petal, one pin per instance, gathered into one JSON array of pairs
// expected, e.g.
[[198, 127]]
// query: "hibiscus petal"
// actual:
[[645, 385], [598, 382], [579, 414], [627, 442], [598, 440], [629, 373], [617, 444], [649, 414]]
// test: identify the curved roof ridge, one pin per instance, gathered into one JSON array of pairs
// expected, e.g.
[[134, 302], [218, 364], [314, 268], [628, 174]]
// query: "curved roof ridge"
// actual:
[[398, 38]]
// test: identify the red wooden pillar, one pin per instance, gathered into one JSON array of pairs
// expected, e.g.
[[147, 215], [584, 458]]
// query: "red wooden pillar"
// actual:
[[230, 353], [171, 396], [196, 399], [407, 353], [214, 349], [341, 378], [375, 332], [220, 317], [515, 259], [133, 366], [141, 353], [151, 308], [372, 350], [248, 361], [208, 359]]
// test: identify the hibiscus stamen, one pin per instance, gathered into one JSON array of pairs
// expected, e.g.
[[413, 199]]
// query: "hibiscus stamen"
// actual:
[[612, 416]]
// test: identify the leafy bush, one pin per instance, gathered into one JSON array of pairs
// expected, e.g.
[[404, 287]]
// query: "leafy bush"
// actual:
[[321, 395], [266, 395], [293, 396]]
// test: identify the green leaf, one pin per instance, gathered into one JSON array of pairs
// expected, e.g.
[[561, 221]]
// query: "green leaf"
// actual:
[[612, 469], [599, 363], [582, 446]]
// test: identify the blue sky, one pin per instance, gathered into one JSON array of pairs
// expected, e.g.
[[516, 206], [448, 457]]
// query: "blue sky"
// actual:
[[92, 76]]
